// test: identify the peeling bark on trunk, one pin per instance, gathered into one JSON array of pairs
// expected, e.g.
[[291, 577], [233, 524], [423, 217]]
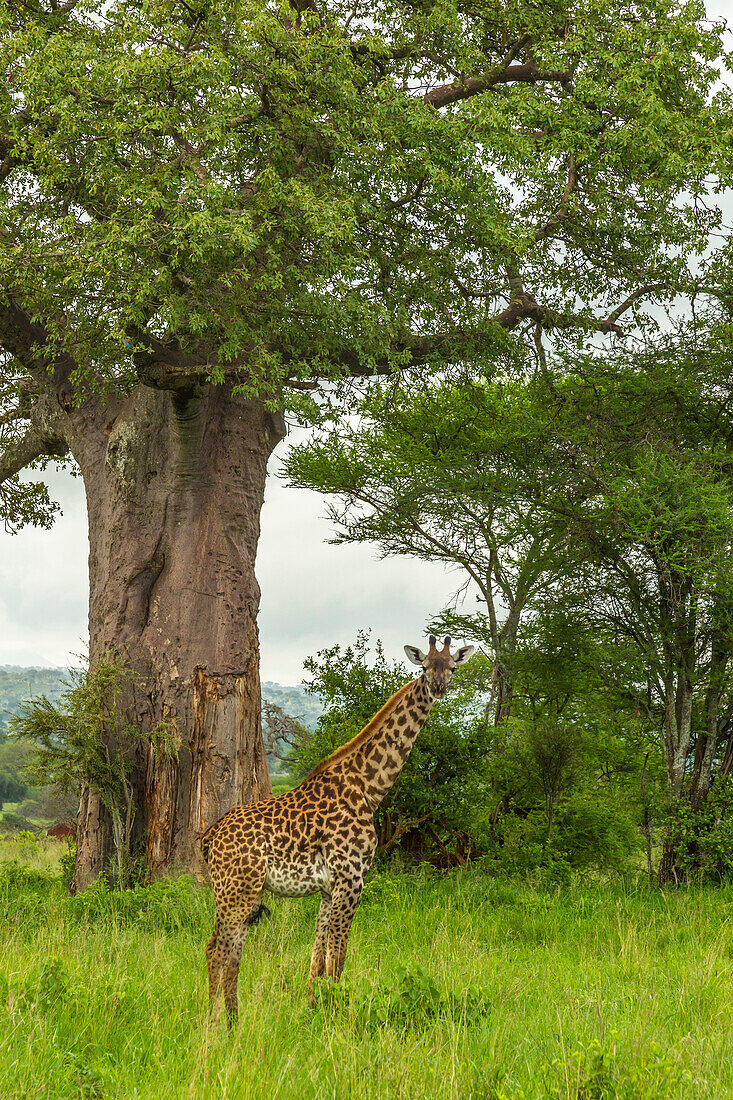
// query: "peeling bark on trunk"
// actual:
[[174, 490]]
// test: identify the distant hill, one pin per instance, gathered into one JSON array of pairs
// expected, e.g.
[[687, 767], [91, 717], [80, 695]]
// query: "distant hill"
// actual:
[[294, 701], [18, 684]]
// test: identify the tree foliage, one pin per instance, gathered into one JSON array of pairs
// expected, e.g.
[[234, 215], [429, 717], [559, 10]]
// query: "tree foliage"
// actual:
[[450, 473], [590, 514], [270, 194]]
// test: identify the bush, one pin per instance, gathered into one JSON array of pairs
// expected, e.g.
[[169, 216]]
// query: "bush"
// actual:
[[15, 823], [594, 830], [559, 808], [702, 837], [85, 739], [173, 905], [410, 1000]]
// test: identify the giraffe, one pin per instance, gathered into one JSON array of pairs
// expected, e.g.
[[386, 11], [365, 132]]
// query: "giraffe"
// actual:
[[319, 837]]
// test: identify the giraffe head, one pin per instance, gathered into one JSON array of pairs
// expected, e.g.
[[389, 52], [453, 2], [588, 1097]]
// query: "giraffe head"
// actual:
[[438, 665]]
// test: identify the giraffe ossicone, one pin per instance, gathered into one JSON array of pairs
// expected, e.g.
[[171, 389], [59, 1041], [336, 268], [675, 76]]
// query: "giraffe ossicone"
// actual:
[[319, 837]]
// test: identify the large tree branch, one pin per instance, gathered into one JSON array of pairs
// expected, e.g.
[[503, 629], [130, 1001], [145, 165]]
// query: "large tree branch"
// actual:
[[31, 446], [164, 365], [528, 73], [463, 343], [29, 342]]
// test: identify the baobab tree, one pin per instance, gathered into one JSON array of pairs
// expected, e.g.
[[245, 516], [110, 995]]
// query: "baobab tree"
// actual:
[[209, 209]]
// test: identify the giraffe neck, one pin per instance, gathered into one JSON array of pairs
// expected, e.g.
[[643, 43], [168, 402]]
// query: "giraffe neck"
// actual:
[[379, 760]]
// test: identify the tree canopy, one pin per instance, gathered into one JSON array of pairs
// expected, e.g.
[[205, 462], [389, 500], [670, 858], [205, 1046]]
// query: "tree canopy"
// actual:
[[600, 503], [278, 192]]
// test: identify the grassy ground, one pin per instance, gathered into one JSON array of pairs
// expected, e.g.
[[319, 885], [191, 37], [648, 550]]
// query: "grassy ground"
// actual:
[[460, 986]]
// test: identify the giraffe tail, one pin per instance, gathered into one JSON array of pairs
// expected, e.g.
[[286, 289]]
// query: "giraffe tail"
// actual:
[[258, 915], [206, 840]]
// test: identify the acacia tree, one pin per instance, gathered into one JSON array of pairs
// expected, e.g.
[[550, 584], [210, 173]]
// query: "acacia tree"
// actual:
[[656, 440], [450, 473], [607, 496], [207, 209]]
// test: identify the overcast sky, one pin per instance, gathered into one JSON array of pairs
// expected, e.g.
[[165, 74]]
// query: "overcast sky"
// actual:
[[313, 594]]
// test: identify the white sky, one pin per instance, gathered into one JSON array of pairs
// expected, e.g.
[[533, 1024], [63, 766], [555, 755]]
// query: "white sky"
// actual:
[[313, 595]]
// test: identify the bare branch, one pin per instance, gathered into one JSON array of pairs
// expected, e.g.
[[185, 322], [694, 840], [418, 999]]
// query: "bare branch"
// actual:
[[280, 732]]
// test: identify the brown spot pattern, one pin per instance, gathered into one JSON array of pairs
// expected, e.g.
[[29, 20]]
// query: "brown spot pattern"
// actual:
[[318, 838]]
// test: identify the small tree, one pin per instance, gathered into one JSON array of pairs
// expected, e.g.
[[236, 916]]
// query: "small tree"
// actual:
[[83, 739], [449, 474], [281, 732]]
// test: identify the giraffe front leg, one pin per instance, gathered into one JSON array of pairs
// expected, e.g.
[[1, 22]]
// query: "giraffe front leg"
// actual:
[[318, 957], [344, 900]]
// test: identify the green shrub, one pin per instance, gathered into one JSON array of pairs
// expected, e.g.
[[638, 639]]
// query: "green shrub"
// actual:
[[85, 739], [67, 865], [702, 837], [411, 1000], [15, 823], [172, 905]]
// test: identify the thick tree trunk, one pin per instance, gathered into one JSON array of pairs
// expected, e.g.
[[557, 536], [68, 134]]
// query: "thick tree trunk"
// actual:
[[174, 490]]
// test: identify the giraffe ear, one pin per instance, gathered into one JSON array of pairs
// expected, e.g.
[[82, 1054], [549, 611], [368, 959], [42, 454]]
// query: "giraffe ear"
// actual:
[[414, 654], [462, 655]]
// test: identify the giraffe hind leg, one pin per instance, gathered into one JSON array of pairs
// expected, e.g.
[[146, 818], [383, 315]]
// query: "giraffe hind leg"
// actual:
[[234, 926], [237, 906], [222, 976], [236, 934], [318, 957]]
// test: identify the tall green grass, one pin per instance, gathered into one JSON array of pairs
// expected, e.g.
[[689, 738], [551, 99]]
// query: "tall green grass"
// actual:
[[458, 986]]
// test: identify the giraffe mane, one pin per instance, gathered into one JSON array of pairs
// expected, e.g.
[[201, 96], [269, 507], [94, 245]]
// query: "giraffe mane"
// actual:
[[365, 734]]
